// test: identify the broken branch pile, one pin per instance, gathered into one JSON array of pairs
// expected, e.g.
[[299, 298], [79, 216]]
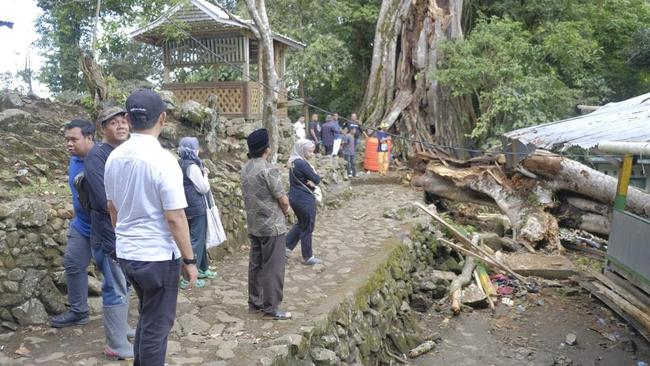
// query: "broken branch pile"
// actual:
[[543, 192]]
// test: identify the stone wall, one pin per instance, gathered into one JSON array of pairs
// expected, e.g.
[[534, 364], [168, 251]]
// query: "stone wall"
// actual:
[[32, 241], [377, 321]]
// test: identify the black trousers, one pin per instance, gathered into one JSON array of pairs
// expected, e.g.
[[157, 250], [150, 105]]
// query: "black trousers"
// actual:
[[266, 272], [329, 149], [156, 284]]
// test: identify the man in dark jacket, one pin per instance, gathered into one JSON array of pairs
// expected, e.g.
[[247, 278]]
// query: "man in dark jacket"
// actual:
[[330, 132], [115, 295]]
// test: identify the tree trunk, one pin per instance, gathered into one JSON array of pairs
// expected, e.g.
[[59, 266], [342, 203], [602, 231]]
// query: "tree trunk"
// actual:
[[257, 11], [524, 206], [570, 175], [526, 200], [401, 89], [97, 86]]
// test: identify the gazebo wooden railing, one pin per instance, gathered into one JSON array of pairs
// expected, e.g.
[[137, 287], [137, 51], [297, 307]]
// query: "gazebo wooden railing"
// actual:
[[233, 98]]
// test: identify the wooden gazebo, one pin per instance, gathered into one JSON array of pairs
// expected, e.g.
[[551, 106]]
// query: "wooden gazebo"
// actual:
[[216, 37]]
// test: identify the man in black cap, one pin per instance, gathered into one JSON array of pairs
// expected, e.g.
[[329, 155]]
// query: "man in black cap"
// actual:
[[146, 201], [267, 207]]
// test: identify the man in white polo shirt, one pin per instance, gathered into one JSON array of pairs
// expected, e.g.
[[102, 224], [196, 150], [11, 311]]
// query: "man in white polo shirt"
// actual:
[[146, 200]]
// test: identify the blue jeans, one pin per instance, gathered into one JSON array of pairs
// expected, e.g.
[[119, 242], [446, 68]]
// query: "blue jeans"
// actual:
[[75, 261], [352, 169], [198, 235], [115, 289]]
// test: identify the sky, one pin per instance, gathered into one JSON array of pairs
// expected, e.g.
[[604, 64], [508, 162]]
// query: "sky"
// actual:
[[18, 41]]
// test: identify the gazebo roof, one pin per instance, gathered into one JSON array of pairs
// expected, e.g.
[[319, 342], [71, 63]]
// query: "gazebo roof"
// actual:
[[204, 18]]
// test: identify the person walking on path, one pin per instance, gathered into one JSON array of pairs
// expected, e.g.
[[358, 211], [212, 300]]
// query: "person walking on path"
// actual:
[[349, 151], [354, 123], [382, 149], [115, 291], [328, 132], [79, 140], [299, 128], [338, 135], [331, 132], [197, 186], [146, 201], [267, 207], [302, 181], [315, 132]]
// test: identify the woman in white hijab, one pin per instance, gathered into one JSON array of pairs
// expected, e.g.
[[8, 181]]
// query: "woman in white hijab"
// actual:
[[303, 182]]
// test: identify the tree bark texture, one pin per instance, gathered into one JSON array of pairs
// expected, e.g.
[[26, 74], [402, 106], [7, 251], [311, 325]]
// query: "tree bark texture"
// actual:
[[401, 90], [257, 11], [97, 86], [570, 175], [532, 204]]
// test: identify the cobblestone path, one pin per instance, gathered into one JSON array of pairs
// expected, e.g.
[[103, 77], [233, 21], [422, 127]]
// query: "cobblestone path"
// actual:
[[213, 326]]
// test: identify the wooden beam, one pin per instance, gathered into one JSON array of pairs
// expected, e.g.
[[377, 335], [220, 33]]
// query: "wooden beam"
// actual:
[[291, 103]]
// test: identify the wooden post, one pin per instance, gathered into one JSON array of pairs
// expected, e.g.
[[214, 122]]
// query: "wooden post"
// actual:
[[623, 182], [166, 76], [215, 73], [246, 69], [260, 74]]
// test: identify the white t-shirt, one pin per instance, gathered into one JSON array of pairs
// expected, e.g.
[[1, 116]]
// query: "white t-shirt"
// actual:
[[143, 180], [299, 130]]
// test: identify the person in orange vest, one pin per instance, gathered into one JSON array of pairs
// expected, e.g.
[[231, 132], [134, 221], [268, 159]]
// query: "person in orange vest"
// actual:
[[382, 149]]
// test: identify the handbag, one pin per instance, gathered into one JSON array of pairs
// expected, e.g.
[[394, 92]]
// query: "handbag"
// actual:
[[317, 192], [215, 234]]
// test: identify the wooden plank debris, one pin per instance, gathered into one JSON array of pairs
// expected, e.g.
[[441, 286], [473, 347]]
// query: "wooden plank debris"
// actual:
[[552, 267]]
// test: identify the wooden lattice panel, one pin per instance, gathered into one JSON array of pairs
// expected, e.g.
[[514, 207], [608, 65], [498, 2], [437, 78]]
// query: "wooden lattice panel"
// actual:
[[229, 99], [255, 99]]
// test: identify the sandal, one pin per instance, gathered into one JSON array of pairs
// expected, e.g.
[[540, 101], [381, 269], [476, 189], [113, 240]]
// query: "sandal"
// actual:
[[183, 283], [207, 274]]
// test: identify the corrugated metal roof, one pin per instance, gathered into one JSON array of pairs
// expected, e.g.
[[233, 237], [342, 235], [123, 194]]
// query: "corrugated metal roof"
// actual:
[[628, 120], [206, 9]]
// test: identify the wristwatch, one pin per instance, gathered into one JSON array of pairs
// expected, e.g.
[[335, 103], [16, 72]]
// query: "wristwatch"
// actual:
[[189, 261]]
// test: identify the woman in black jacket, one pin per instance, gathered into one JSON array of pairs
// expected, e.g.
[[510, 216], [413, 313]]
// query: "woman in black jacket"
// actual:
[[303, 181]]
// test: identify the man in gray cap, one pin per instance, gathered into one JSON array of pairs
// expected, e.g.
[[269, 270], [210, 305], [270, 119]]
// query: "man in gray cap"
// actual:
[[146, 201], [115, 295], [267, 207]]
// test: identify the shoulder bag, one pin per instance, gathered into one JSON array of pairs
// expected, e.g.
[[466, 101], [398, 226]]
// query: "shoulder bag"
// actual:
[[215, 234]]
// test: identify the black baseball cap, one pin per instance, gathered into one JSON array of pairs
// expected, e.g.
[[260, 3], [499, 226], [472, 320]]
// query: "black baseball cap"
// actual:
[[144, 105]]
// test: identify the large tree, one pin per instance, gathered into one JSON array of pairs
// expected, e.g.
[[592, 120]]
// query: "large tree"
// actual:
[[257, 11], [401, 89]]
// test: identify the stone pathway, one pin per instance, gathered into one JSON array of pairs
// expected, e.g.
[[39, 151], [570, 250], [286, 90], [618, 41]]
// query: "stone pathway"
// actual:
[[213, 326]]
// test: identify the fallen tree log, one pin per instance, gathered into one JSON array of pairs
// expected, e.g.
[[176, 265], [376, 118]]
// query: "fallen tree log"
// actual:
[[570, 175], [527, 201], [589, 205], [524, 206], [457, 284]]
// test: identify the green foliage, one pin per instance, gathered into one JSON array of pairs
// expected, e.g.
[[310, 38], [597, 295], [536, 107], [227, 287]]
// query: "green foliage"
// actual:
[[336, 62], [506, 74], [524, 63]]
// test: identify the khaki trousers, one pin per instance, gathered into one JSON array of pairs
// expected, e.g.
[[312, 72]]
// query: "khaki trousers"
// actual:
[[382, 161]]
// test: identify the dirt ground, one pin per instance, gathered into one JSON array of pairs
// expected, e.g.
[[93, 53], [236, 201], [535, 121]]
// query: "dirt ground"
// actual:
[[534, 332]]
